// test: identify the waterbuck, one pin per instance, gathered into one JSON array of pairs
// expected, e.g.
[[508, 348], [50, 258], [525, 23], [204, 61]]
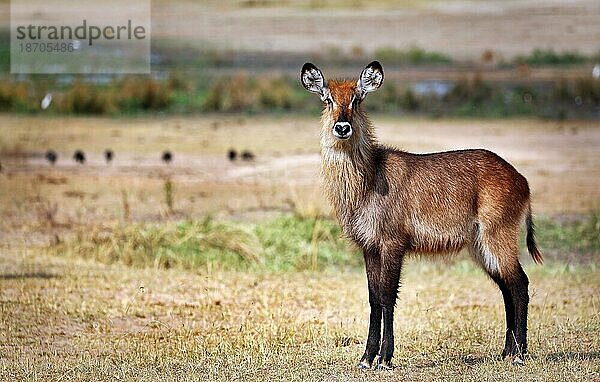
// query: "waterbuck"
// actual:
[[391, 202]]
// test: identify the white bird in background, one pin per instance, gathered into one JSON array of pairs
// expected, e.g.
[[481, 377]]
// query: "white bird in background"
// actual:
[[46, 101], [596, 72]]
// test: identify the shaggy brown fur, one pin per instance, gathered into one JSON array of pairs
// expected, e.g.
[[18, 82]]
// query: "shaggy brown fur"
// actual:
[[390, 203]]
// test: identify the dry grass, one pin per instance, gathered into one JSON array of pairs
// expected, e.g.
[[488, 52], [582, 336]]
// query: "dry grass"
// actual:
[[78, 320]]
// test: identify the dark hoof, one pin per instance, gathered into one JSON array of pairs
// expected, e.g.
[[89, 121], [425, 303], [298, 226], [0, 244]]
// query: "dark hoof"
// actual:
[[516, 360], [384, 365]]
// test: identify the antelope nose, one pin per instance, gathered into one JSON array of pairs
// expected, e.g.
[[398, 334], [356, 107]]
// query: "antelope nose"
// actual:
[[342, 130]]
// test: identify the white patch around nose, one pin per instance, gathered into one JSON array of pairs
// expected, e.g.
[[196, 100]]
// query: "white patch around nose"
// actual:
[[342, 126]]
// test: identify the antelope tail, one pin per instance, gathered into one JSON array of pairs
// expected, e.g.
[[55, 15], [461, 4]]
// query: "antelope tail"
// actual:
[[531, 245]]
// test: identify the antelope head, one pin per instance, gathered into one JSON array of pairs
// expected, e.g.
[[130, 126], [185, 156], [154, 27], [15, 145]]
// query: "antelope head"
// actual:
[[342, 99]]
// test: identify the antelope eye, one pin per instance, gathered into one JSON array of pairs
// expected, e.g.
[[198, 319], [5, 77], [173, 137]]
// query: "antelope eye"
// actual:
[[329, 102]]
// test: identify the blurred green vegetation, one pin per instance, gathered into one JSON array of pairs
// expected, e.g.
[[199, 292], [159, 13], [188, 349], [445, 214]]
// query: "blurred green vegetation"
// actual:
[[412, 56], [285, 243], [550, 57], [471, 96], [191, 80], [580, 236]]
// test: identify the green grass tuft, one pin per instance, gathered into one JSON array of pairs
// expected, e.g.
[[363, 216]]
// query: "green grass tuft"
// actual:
[[297, 243], [190, 245], [285, 244]]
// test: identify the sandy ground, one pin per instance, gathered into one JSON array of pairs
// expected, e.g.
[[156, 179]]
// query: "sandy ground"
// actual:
[[461, 29]]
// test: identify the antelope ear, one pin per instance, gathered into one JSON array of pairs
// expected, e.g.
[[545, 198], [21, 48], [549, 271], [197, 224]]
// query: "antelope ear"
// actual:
[[313, 80], [370, 79]]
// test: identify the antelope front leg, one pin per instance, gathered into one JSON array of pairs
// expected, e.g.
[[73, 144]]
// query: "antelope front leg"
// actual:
[[388, 291], [373, 267], [374, 337], [387, 345]]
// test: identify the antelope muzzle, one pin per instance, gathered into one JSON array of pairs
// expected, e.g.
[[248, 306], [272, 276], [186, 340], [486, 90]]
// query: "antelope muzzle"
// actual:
[[342, 130]]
